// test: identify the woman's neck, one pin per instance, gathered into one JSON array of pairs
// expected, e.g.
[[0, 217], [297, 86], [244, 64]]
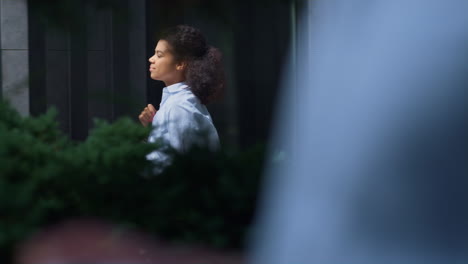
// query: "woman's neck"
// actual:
[[174, 81]]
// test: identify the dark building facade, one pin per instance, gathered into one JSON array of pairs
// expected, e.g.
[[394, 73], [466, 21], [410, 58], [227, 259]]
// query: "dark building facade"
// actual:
[[91, 60]]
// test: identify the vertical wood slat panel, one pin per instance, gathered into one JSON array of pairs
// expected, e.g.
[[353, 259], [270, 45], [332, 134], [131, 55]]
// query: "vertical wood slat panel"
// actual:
[[258, 73], [1, 56], [243, 33], [37, 63], [57, 86], [138, 59], [99, 88], [57, 59], [78, 80], [100, 100], [119, 54], [97, 68]]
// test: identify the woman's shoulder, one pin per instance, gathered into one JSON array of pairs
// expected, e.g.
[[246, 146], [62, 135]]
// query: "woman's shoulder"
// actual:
[[185, 98], [183, 103]]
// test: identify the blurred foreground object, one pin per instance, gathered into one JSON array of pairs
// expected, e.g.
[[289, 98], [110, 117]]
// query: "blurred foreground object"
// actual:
[[374, 138], [91, 241]]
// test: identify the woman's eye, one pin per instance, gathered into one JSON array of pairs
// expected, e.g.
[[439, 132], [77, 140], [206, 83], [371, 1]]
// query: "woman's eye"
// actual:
[[159, 56]]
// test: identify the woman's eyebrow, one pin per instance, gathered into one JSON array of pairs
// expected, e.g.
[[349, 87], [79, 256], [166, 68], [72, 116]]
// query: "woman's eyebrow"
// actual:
[[160, 51]]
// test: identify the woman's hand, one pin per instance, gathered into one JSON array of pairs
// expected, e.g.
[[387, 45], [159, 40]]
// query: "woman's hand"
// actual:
[[147, 115]]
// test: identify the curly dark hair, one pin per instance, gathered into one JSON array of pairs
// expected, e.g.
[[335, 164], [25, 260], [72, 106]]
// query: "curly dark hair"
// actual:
[[204, 73]]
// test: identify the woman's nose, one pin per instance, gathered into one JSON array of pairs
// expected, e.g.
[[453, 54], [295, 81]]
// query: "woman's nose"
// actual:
[[150, 59]]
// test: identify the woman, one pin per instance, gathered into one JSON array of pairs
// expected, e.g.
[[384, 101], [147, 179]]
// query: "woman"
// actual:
[[193, 74]]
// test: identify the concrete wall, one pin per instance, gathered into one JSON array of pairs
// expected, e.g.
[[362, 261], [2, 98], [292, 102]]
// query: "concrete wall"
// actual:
[[14, 53]]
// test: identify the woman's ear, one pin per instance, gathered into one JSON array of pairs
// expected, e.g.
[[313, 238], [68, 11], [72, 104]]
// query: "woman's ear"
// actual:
[[181, 66]]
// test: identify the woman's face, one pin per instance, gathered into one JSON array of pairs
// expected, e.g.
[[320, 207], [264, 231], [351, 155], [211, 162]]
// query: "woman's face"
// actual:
[[163, 66]]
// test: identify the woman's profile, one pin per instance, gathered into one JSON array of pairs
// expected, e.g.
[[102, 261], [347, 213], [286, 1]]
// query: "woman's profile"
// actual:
[[193, 75]]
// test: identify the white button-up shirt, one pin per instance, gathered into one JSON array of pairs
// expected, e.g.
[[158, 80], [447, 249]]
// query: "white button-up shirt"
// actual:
[[181, 121]]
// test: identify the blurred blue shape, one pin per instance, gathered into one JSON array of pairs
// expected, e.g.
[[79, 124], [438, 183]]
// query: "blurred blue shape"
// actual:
[[374, 135]]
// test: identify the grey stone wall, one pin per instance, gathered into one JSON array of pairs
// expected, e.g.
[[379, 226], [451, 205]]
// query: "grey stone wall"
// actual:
[[14, 53]]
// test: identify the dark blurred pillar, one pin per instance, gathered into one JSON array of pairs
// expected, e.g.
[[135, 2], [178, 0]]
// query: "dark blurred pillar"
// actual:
[[262, 37]]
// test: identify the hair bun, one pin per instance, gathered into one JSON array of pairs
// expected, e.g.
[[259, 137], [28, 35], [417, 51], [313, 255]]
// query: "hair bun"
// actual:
[[205, 76]]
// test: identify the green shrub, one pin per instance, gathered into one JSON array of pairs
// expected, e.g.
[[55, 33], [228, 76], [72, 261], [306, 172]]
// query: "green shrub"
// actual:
[[203, 197]]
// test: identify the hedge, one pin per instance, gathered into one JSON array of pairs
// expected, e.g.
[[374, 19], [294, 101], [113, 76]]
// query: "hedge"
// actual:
[[204, 197]]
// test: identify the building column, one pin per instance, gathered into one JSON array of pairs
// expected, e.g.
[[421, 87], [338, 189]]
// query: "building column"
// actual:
[[14, 54]]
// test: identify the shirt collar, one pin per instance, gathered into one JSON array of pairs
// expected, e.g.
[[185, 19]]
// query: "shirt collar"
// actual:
[[175, 88]]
